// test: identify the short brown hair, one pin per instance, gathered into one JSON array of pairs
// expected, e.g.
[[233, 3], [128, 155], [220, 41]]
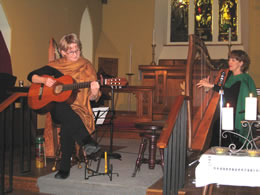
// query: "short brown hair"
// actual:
[[241, 56], [68, 39]]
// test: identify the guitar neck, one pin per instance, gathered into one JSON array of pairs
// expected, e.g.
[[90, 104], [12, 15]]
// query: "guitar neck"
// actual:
[[113, 82], [75, 86]]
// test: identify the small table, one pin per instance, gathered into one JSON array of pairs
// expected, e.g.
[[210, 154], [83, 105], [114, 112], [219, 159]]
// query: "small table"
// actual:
[[228, 169]]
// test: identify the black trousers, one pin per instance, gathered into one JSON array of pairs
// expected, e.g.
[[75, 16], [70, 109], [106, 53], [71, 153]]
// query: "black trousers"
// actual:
[[72, 129]]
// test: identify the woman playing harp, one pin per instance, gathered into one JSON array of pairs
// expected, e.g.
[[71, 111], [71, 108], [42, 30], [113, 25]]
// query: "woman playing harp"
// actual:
[[238, 86]]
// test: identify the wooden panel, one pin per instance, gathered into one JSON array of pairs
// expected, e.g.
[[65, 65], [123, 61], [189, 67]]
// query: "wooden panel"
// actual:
[[108, 66], [160, 86], [172, 62], [168, 81], [144, 99]]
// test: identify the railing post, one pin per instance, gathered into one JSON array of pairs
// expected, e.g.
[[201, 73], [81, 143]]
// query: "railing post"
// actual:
[[175, 154], [25, 134], [10, 133], [7, 125], [2, 154]]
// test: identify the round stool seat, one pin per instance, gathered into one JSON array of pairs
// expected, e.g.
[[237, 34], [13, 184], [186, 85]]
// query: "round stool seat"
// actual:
[[153, 125], [148, 135]]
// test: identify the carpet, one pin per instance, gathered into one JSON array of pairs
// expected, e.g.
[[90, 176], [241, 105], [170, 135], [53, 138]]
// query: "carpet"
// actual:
[[123, 184]]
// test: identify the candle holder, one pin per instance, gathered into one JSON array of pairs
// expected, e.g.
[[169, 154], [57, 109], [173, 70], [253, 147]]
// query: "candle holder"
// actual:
[[129, 78], [229, 48], [153, 63], [229, 40], [248, 140]]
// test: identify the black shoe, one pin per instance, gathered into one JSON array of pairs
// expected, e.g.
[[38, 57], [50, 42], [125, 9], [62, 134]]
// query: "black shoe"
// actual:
[[62, 174]]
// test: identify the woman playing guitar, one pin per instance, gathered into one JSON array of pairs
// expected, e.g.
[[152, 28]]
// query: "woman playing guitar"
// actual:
[[76, 119]]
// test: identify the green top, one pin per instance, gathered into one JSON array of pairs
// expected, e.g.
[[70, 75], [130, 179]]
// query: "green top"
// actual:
[[247, 86]]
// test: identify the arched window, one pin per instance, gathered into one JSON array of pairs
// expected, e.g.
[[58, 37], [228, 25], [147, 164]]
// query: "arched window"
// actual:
[[215, 21], [5, 28], [86, 35]]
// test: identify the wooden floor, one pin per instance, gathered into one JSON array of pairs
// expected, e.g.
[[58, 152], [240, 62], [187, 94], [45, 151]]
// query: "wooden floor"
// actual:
[[26, 183]]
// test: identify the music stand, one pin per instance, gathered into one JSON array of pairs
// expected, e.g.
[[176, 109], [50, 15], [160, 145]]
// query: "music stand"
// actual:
[[100, 114]]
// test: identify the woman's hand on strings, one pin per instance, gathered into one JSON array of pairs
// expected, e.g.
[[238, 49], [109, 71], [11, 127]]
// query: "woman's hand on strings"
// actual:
[[49, 82], [94, 88], [205, 83], [45, 80]]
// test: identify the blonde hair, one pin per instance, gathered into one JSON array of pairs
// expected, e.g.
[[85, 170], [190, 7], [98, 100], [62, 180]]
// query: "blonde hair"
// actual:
[[68, 39]]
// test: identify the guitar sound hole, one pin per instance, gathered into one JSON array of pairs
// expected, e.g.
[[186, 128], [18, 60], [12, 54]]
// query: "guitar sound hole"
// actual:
[[58, 89]]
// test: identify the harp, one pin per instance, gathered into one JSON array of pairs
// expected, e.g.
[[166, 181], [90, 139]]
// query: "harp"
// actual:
[[51, 130], [202, 103]]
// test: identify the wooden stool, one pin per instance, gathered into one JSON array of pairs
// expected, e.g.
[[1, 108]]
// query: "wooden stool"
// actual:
[[151, 134]]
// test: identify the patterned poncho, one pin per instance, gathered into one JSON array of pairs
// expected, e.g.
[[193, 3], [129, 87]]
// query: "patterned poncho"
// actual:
[[81, 71]]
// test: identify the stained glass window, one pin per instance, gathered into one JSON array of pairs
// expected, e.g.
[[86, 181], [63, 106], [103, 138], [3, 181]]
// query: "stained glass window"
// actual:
[[227, 20], [203, 19], [179, 20], [211, 20]]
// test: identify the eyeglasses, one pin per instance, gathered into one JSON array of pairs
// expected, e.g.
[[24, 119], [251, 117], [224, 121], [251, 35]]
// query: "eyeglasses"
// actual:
[[72, 52]]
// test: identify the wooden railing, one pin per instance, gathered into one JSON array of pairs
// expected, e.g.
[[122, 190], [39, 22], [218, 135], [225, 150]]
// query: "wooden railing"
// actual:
[[9, 119], [173, 141]]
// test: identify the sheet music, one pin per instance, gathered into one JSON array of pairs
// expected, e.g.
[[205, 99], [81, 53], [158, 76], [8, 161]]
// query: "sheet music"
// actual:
[[100, 114]]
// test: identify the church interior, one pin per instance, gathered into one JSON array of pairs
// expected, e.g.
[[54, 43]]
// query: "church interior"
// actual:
[[160, 49]]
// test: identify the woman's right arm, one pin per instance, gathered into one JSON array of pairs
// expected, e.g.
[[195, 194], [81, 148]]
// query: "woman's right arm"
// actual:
[[38, 79], [36, 75], [45, 80]]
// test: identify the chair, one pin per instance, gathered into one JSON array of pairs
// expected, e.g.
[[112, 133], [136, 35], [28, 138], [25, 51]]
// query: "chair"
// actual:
[[150, 132]]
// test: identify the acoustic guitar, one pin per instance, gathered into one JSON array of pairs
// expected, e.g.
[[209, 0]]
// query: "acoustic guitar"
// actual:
[[41, 97]]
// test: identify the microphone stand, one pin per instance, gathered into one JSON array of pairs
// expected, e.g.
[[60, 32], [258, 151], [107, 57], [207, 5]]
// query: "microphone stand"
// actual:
[[221, 93], [110, 153]]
